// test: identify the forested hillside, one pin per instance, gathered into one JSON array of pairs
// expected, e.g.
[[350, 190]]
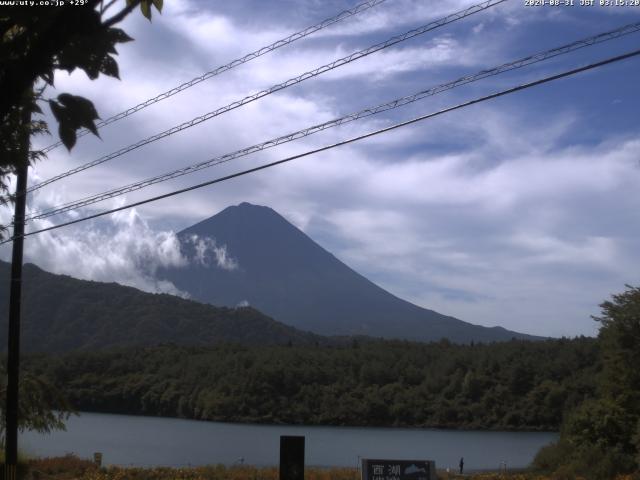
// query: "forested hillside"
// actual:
[[61, 313], [514, 385]]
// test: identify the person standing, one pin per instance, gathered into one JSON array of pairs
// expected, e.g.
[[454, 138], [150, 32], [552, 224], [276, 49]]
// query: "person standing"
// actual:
[[461, 465]]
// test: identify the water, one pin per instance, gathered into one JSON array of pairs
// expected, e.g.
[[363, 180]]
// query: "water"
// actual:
[[148, 441]]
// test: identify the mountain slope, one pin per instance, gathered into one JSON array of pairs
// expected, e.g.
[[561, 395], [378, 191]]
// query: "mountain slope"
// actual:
[[61, 313], [285, 274]]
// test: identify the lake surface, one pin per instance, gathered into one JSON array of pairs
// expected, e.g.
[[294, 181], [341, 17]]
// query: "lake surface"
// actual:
[[148, 441]]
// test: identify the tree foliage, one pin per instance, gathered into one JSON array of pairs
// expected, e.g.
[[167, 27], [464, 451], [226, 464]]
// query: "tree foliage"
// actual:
[[620, 339], [42, 407], [601, 438], [37, 42], [34, 44], [384, 383]]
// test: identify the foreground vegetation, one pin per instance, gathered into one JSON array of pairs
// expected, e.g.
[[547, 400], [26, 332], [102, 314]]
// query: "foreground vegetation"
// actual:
[[516, 385], [71, 467], [601, 438]]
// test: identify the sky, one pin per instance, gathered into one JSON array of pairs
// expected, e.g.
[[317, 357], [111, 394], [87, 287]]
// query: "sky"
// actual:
[[521, 212]]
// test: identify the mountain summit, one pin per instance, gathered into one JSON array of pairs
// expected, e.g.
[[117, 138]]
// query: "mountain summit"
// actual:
[[251, 255]]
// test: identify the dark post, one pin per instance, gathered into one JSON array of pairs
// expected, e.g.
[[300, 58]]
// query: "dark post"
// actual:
[[291, 458], [13, 361]]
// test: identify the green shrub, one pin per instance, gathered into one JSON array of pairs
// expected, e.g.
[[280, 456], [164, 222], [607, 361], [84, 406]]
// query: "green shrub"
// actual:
[[564, 461], [550, 457]]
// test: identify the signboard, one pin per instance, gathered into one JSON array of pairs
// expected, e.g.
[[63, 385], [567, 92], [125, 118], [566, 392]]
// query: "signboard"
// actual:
[[398, 469]]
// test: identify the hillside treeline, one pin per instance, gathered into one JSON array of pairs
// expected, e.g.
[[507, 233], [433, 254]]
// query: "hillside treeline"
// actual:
[[61, 313], [516, 385]]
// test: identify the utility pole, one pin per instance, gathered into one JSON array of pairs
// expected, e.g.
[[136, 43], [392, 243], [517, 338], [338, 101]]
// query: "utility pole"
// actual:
[[13, 361]]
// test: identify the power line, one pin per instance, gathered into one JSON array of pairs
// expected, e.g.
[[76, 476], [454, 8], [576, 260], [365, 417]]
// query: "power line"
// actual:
[[293, 81], [343, 142], [396, 103], [234, 63]]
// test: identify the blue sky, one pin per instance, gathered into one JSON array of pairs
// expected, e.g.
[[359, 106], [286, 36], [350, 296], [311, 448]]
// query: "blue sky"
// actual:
[[520, 212]]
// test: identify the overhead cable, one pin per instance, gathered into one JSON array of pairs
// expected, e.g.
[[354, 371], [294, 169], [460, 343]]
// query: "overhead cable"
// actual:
[[338, 144], [275, 88], [390, 105], [239, 61]]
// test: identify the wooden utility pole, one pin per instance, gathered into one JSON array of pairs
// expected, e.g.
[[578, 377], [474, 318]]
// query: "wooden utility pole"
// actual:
[[13, 361]]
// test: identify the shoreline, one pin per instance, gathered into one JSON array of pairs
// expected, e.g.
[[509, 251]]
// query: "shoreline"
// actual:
[[318, 425]]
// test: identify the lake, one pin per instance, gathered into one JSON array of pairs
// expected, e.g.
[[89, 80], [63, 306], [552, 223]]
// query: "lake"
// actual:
[[149, 441]]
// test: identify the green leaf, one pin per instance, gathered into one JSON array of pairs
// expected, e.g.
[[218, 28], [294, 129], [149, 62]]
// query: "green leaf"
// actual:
[[117, 35], [65, 130], [145, 7], [72, 113], [80, 111], [91, 51], [158, 4], [67, 135], [110, 67], [57, 110]]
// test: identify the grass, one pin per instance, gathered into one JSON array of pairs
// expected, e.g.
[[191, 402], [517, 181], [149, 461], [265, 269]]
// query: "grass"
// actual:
[[70, 467]]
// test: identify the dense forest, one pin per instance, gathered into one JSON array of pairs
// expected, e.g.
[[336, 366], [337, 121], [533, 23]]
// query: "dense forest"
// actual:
[[516, 385]]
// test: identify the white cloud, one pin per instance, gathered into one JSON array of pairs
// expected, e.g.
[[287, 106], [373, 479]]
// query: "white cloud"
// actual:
[[478, 28], [124, 250], [399, 13], [207, 251], [542, 249], [499, 214]]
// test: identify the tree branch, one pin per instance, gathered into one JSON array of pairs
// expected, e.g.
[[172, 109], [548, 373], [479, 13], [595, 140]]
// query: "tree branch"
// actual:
[[104, 8], [122, 14]]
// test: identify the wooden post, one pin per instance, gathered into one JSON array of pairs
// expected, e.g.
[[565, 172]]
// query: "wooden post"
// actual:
[[291, 458], [13, 357]]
